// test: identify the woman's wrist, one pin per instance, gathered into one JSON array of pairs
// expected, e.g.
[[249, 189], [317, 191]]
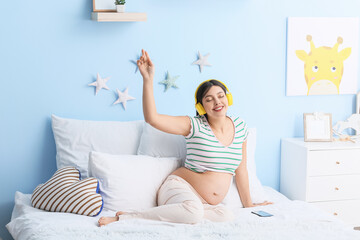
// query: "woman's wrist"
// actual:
[[148, 79], [248, 205]]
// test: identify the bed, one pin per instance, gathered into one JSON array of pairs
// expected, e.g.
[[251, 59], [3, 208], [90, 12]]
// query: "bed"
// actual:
[[291, 220], [128, 144]]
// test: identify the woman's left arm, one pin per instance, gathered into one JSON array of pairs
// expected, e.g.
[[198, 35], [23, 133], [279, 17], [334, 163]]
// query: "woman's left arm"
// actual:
[[242, 182]]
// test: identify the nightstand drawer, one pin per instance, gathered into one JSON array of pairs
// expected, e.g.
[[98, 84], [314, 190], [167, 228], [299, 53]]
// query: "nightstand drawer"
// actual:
[[347, 211], [333, 162], [327, 188]]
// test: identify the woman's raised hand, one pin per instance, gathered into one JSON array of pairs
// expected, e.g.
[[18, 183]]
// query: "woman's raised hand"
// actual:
[[146, 66]]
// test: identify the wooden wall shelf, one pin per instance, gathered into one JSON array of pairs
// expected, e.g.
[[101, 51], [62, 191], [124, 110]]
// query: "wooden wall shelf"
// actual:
[[118, 17]]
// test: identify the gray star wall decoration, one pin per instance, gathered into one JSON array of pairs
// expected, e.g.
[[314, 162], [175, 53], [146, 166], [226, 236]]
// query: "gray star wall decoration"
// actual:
[[169, 82]]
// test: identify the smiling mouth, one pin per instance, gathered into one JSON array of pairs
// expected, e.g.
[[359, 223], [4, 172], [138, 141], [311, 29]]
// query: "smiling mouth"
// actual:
[[218, 109]]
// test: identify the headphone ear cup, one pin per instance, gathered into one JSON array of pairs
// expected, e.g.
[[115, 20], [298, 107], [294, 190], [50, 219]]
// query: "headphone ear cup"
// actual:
[[200, 109], [230, 98]]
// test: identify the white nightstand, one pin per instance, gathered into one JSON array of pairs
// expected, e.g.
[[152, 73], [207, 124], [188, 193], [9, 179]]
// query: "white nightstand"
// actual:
[[326, 174]]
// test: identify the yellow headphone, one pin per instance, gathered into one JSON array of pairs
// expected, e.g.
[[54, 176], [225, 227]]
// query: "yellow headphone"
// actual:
[[200, 108]]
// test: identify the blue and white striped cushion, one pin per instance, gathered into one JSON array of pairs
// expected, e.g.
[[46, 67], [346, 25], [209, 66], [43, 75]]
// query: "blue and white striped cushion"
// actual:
[[65, 192]]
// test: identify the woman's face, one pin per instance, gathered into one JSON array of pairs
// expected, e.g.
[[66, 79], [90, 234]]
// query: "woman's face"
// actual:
[[215, 102]]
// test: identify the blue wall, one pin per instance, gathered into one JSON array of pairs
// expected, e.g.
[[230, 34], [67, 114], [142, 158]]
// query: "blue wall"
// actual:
[[50, 51]]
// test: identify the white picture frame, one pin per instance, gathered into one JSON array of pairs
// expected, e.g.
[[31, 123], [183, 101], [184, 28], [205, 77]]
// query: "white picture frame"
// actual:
[[319, 32], [104, 6], [318, 127], [357, 110]]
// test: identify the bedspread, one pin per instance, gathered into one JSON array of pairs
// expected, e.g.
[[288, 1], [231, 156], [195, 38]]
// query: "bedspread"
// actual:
[[291, 220]]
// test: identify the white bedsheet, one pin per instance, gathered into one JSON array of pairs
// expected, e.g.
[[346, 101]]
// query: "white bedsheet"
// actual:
[[291, 220]]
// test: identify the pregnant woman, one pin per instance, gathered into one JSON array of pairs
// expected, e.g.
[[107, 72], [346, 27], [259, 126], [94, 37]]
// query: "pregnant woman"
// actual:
[[216, 151]]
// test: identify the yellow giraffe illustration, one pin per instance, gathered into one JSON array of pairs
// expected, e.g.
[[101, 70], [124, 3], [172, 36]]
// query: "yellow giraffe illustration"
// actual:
[[323, 67]]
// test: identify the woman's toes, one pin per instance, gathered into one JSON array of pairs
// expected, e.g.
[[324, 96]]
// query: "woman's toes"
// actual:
[[104, 221]]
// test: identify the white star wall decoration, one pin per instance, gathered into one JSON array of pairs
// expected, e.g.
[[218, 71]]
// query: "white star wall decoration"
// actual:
[[202, 61], [169, 82], [123, 97], [100, 83]]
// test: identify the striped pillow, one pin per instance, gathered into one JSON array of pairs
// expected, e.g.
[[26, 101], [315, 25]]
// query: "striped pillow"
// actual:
[[65, 192]]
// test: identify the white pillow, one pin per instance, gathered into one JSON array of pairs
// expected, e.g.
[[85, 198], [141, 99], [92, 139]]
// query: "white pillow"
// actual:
[[156, 143], [130, 182], [75, 139], [257, 192]]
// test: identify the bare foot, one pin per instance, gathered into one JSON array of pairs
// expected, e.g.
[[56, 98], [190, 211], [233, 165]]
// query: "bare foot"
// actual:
[[106, 220], [119, 213]]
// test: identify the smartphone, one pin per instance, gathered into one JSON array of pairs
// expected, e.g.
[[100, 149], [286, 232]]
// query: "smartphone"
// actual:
[[262, 214]]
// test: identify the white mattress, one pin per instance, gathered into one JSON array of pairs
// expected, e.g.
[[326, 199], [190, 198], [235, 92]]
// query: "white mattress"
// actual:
[[291, 220]]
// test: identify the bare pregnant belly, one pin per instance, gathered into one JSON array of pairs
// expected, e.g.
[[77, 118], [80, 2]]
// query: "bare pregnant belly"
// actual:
[[211, 186]]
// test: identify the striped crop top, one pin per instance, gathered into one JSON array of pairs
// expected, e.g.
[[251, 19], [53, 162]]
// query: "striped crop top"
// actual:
[[206, 153]]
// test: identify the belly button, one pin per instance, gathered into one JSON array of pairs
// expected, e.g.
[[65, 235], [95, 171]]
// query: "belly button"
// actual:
[[215, 194]]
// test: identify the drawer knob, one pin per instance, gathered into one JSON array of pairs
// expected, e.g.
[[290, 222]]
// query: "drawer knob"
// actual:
[[336, 188], [335, 214], [337, 162]]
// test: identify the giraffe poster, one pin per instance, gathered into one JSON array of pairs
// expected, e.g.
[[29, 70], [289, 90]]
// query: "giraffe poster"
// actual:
[[322, 56]]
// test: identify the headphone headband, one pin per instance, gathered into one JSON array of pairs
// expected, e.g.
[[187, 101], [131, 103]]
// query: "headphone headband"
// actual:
[[200, 108], [208, 81]]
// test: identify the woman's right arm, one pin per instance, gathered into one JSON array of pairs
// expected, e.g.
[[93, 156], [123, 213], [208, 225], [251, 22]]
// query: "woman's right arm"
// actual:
[[179, 125]]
